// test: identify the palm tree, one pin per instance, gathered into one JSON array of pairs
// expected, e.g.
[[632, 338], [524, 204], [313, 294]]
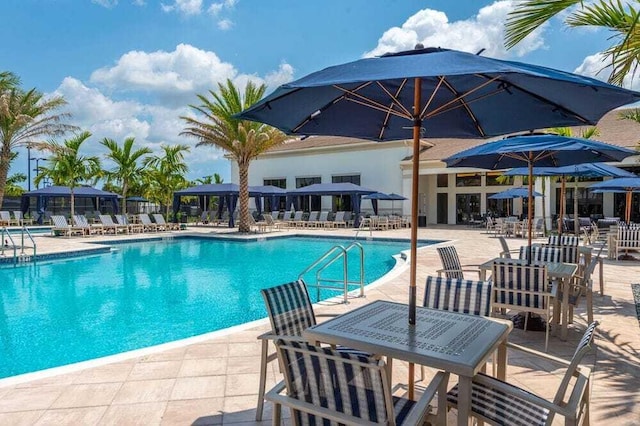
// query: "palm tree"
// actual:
[[126, 170], [25, 117], [67, 167], [243, 140], [12, 189], [619, 18], [210, 179], [164, 174]]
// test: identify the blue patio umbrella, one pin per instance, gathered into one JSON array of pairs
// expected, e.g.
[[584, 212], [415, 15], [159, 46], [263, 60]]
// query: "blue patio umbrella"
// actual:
[[546, 150], [628, 185], [512, 193], [382, 196], [577, 170], [432, 93]]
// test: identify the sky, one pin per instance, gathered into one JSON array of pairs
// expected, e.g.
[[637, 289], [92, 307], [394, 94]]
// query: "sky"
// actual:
[[131, 68]]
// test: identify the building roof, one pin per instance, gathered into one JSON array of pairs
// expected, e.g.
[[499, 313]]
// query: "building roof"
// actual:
[[613, 130]]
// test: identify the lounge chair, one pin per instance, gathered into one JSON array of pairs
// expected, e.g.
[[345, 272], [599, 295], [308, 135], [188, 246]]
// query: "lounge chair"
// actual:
[[133, 227], [20, 219], [5, 219], [260, 226], [109, 225], [168, 226], [204, 218], [297, 219], [147, 224], [323, 220], [501, 403], [339, 221], [339, 388], [312, 220], [81, 221], [271, 223], [61, 226]]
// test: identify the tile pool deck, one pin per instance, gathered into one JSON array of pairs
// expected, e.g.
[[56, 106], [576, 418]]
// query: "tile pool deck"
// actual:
[[215, 381]]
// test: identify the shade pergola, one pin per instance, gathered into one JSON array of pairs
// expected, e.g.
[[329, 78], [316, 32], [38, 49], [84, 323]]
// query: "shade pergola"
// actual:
[[43, 195], [228, 193], [344, 188]]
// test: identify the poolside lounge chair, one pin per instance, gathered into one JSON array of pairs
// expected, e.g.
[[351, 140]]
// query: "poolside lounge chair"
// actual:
[[500, 403], [338, 220], [168, 226], [81, 221], [260, 226], [271, 223], [297, 219], [312, 220], [20, 219], [5, 219], [147, 224], [204, 218], [290, 313], [109, 225], [323, 220], [61, 226], [325, 384], [133, 227]]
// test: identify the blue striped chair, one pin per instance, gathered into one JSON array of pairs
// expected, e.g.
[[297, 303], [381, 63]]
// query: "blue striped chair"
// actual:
[[541, 253], [523, 288], [290, 313], [500, 403], [569, 253], [325, 386], [451, 266], [564, 240]]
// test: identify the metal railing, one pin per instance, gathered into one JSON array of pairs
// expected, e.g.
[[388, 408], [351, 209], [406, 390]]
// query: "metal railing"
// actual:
[[6, 238], [23, 255], [333, 255], [9, 243]]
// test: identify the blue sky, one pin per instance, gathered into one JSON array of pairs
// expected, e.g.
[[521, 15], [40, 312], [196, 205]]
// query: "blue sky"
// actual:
[[131, 67]]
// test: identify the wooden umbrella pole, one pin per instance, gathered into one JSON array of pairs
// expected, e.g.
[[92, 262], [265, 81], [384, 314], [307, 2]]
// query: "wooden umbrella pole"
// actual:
[[627, 214], [563, 201], [530, 202]]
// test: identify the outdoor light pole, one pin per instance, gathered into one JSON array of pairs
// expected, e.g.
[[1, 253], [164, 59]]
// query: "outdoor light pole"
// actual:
[[37, 170], [28, 167]]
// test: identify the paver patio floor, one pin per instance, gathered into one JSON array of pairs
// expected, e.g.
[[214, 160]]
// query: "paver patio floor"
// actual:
[[215, 381]]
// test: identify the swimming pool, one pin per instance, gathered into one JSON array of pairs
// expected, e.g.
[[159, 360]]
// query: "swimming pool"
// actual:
[[142, 294]]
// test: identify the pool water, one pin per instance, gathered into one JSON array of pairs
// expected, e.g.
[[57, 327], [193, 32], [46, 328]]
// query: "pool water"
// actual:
[[142, 294]]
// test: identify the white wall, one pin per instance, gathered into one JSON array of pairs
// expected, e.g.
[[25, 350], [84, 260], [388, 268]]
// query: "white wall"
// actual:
[[378, 167]]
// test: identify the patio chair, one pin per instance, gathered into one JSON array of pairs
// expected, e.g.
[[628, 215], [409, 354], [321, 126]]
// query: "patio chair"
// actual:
[[147, 224], [569, 253], [61, 226], [339, 220], [451, 266], [506, 251], [582, 286], [325, 386], [323, 220], [270, 222], [541, 253], [524, 288], [168, 226], [109, 225], [312, 219], [456, 295], [290, 313], [204, 218], [500, 403], [20, 219], [564, 240], [260, 226], [296, 220], [133, 227]]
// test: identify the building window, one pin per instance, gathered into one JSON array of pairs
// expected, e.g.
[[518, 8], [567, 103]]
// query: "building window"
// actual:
[[468, 179], [498, 179], [442, 180], [343, 201], [280, 202], [311, 202]]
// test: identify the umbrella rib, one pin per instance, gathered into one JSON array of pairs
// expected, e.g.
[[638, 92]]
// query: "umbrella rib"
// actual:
[[394, 98], [364, 101], [465, 105], [458, 97]]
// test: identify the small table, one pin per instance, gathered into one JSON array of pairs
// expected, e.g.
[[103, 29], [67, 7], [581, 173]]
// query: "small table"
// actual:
[[563, 272], [449, 341]]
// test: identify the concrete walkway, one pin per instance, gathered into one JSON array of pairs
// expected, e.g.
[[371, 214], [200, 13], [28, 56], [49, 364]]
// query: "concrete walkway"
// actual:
[[215, 381]]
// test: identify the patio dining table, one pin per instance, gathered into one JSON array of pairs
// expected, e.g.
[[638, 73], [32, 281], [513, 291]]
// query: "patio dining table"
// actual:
[[448, 341], [560, 272]]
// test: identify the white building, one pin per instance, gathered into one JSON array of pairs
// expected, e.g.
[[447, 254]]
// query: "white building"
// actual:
[[446, 195]]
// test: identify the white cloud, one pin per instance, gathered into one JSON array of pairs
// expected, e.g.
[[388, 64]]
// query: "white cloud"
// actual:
[[597, 67], [217, 7], [483, 31], [225, 24], [184, 7], [106, 3], [282, 75], [139, 2]]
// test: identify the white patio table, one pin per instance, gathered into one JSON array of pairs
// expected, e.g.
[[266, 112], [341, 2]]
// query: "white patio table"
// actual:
[[562, 272], [448, 341]]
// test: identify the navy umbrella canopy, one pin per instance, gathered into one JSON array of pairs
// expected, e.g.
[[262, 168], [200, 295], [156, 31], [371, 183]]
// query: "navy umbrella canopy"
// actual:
[[537, 149], [627, 185], [514, 193], [432, 93]]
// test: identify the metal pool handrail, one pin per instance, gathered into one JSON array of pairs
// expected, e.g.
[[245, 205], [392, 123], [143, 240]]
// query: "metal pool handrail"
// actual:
[[4, 244]]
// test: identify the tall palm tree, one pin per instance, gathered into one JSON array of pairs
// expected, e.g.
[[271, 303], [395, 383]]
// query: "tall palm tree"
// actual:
[[243, 140], [12, 189], [210, 179], [127, 169], [66, 166], [25, 118], [620, 19], [164, 174]]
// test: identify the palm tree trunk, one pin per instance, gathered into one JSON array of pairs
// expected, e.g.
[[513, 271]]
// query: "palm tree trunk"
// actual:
[[73, 204], [124, 198], [243, 169], [5, 159]]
